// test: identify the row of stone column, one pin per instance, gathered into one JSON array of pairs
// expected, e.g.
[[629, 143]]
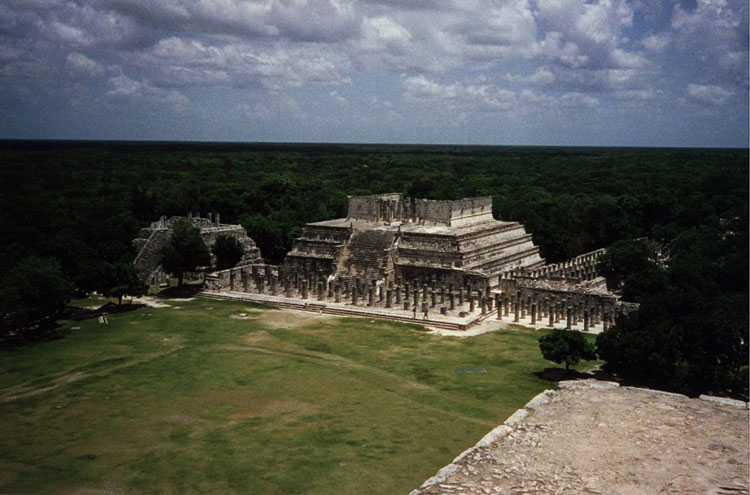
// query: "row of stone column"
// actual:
[[553, 309], [581, 267]]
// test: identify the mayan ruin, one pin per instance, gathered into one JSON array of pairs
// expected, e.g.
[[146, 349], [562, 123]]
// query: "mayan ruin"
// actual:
[[449, 262], [151, 239]]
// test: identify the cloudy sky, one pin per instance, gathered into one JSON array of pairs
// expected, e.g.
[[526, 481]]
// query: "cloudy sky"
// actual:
[[569, 72]]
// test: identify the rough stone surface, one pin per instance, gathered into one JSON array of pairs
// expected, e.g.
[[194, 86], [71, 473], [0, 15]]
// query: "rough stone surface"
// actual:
[[594, 437]]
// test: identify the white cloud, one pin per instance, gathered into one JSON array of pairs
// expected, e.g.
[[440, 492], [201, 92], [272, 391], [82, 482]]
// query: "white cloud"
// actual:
[[180, 61], [487, 97], [541, 76], [82, 63], [709, 94], [655, 43], [714, 36], [125, 89]]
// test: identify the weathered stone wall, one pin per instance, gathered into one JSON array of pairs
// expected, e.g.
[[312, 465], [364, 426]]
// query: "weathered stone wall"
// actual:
[[375, 208]]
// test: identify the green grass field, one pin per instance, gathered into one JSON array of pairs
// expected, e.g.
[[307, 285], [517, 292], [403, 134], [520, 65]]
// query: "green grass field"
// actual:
[[193, 399]]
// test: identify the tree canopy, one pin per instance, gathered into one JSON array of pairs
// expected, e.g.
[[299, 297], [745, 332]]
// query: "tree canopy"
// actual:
[[184, 252], [566, 346], [33, 291], [227, 250], [121, 279], [690, 332]]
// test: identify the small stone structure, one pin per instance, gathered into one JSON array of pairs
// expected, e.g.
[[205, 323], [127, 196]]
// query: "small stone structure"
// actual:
[[599, 438], [152, 238]]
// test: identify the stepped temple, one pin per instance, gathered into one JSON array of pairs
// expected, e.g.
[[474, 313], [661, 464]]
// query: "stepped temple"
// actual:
[[152, 238], [397, 258], [388, 237]]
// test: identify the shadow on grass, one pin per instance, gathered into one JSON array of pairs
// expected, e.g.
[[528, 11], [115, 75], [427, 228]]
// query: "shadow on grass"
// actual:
[[51, 329], [187, 290]]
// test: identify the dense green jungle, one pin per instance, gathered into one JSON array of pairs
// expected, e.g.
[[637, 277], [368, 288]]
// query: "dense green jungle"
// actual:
[[80, 204]]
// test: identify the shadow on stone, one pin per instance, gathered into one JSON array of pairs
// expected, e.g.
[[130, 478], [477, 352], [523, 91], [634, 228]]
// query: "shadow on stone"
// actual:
[[560, 374]]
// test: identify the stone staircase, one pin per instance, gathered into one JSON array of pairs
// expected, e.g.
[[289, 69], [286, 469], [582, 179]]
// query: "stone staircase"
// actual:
[[368, 255]]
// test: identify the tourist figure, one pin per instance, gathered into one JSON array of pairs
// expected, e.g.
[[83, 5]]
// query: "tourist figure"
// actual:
[[415, 311], [426, 311]]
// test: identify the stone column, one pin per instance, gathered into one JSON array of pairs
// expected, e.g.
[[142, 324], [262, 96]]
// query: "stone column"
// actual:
[[370, 296], [245, 281], [568, 321], [516, 309], [551, 313], [260, 283], [483, 304], [354, 295], [274, 280], [416, 299], [380, 294], [506, 305], [433, 298], [288, 288], [424, 292], [398, 294], [460, 296], [388, 297], [451, 301], [303, 282], [337, 293], [605, 322], [471, 303], [585, 320], [321, 291], [442, 294], [330, 288], [407, 294], [533, 313]]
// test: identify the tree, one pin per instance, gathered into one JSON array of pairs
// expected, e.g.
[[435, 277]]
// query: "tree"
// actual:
[[185, 251], [625, 259], [565, 346], [122, 279], [228, 251], [31, 292], [689, 334]]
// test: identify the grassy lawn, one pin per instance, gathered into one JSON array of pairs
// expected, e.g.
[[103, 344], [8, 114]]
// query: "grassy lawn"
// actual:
[[194, 399]]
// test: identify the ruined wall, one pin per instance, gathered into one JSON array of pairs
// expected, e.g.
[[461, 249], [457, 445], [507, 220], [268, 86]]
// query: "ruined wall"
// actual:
[[394, 207], [376, 208], [149, 242]]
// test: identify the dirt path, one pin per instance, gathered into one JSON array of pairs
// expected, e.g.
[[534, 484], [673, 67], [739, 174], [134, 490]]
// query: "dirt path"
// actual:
[[60, 379]]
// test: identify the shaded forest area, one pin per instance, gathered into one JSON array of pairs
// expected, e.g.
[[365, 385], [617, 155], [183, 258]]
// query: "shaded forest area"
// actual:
[[82, 202], [69, 210]]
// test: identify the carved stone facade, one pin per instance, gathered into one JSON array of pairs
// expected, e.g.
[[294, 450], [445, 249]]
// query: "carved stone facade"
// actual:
[[391, 238]]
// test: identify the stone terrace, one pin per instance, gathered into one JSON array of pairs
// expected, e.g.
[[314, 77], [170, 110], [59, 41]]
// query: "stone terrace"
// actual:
[[593, 437]]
